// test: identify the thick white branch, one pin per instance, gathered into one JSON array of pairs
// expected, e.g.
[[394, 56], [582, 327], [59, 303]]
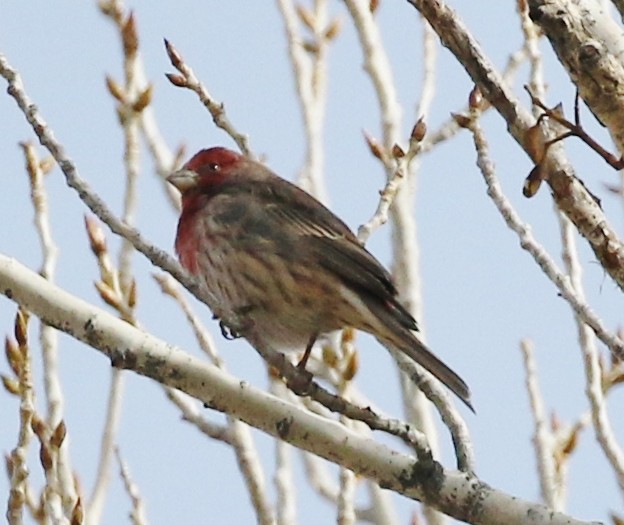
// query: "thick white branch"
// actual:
[[458, 494]]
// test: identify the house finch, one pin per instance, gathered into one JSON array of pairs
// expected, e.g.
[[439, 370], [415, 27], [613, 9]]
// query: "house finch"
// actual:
[[268, 250]]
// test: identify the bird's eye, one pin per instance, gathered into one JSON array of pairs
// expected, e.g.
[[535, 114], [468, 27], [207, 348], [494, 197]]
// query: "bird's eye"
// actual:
[[214, 166]]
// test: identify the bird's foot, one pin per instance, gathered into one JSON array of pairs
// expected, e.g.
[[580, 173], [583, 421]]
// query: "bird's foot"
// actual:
[[231, 333], [301, 382], [227, 332]]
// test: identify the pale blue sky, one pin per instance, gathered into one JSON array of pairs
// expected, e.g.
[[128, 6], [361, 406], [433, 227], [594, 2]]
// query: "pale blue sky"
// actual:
[[482, 293]]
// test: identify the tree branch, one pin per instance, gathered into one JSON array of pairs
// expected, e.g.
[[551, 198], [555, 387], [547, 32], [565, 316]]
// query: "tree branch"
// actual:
[[571, 195], [460, 495]]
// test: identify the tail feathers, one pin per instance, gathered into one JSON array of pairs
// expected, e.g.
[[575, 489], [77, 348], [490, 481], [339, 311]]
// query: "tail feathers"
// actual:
[[419, 353]]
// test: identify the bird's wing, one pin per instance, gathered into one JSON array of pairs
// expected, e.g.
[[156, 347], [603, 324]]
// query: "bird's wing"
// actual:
[[311, 230]]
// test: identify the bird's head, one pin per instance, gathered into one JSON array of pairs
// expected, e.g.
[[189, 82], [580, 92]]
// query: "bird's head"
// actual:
[[206, 171]]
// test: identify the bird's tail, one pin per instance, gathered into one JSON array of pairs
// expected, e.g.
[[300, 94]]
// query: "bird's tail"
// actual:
[[395, 326], [418, 352]]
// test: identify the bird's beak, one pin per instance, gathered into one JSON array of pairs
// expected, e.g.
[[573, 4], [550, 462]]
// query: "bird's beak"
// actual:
[[183, 180]]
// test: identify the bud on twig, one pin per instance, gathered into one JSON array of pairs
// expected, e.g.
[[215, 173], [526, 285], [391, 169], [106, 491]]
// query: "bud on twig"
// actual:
[[47, 164], [333, 30], [418, 131], [97, 241], [45, 456], [397, 152], [107, 294], [21, 327], [115, 89], [353, 364], [129, 36], [144, 99], [58, 436], [475, 99], [132, 294], [310, 46], [11, 385], [375, 148], [13, 355], [329, 356], [38, 426], [306, 16], [77, 517], [571, 442], [174, 56], [462, 120], [176, 80]]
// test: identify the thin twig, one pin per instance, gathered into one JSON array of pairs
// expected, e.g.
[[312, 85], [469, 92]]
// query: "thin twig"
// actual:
[[310, 75], [133, 98], [388, 194], [47, 335], [591, 360], [450, 128], [347, 483], [539, 254], [95, 507], [188, 80], [429, 73], [137, 515], [531, 44], [405, 250], [234, 433], [191, 413], [439, 396], [171, 287], [575, 129], [318, 476], [542, 438], [18, 354]]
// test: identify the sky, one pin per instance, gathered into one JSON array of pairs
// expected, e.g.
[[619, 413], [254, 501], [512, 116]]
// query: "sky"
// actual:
[[481, 293]]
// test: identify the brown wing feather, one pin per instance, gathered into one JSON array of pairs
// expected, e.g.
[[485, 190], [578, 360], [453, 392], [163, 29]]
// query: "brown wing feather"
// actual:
[[310, 226]]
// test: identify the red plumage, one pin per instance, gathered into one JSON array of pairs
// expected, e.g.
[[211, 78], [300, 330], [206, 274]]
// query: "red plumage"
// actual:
[[269, 250]]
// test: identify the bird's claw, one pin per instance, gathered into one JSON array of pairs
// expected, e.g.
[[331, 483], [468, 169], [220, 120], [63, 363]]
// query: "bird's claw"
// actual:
[[227, 332]]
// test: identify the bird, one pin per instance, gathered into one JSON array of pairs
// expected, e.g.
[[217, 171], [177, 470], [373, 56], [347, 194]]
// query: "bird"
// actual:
[[268, 250]]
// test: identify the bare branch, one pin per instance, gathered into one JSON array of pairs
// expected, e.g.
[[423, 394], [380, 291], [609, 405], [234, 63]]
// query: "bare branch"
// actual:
[[18, 354], [571, 195], [589, 48], [591, 359], [310, 75], [191, 413], [137, 515], [47, 335], [542, 439], [539, 254], [405, 250], [188, 80], [95, 507]]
